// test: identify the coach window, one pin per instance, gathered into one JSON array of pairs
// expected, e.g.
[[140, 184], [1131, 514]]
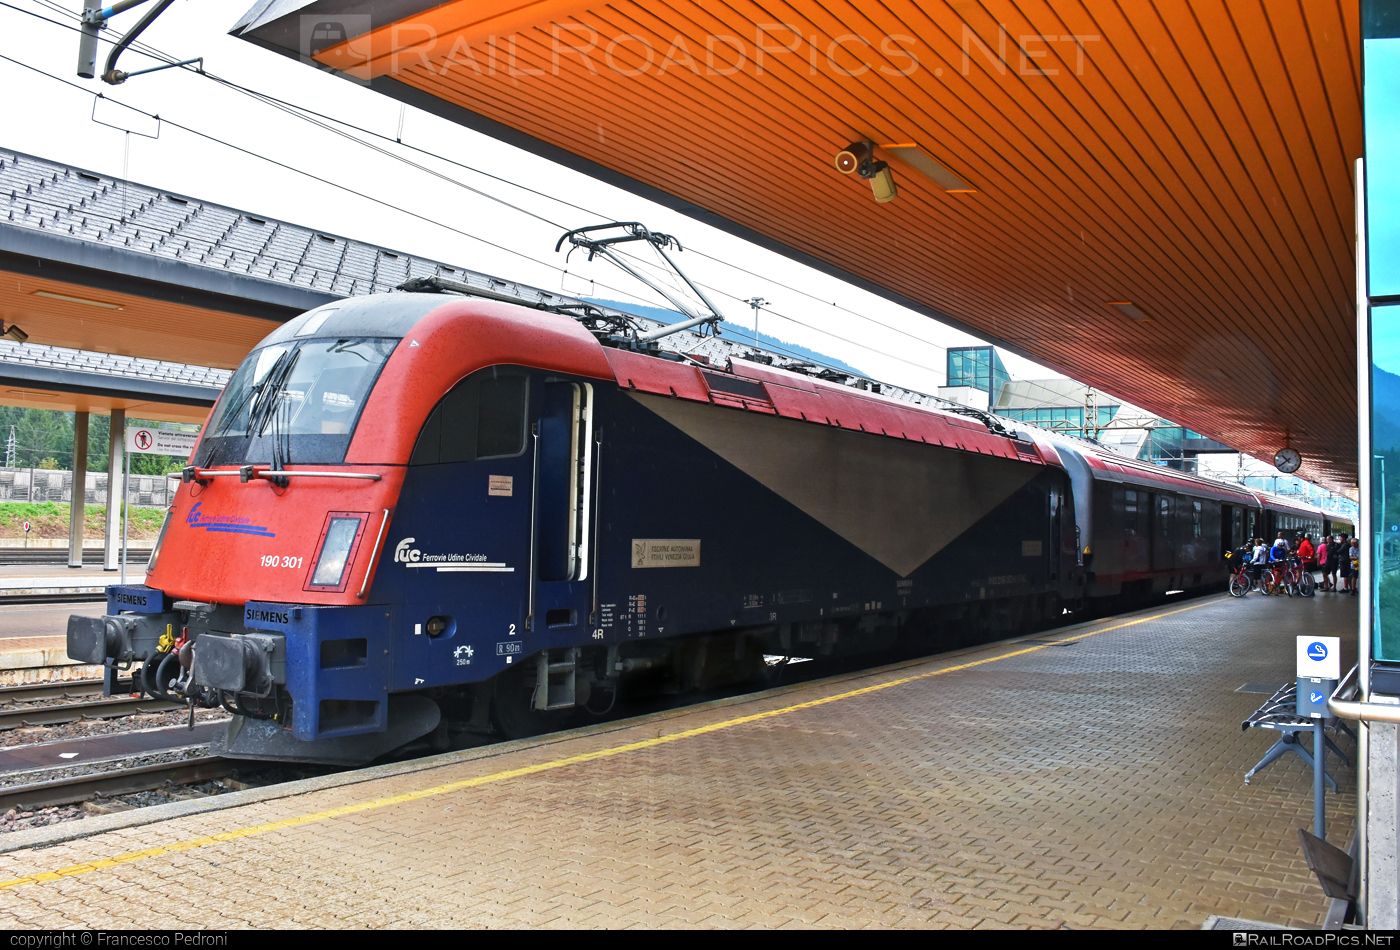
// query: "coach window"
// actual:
[[482, 417]]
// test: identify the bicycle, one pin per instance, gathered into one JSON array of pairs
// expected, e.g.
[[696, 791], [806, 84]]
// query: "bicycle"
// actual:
[[1306, 584], [1291, 579], [1240, 581]]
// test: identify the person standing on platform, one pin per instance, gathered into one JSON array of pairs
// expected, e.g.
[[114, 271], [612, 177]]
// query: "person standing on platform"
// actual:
[[1306, 554], [1323, 544], [1257, 559], [1354, 559], [1344, 564]]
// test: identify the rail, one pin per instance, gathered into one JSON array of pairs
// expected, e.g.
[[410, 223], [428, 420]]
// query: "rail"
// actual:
[[1342, 703], [56, 597], [33, 691], [113, 708], [66, 791]]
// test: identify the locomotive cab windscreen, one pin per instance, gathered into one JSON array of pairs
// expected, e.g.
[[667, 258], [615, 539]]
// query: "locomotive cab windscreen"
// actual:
[[294, 402]]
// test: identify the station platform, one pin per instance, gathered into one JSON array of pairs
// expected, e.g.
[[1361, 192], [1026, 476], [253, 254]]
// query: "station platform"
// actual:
[[27, 578], [1091, 781]]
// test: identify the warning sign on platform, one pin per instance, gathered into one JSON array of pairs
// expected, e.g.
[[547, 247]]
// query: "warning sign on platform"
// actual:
[[148, 441]]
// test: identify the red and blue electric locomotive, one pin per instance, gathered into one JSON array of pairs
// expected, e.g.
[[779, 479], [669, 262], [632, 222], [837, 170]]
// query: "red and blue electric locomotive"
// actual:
[[412, 515]]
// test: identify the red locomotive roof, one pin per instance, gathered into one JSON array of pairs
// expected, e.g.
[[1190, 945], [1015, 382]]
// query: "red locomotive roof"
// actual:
[[451, 341], [759, 388]]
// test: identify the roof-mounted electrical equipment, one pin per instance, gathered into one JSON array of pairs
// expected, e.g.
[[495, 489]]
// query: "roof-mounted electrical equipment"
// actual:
[[602, 240]]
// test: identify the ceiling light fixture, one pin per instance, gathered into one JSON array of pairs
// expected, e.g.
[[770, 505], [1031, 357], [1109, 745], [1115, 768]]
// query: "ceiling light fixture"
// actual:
[[930, 167], [82, 300], [26, 392], [13, 332], [1129, 309]]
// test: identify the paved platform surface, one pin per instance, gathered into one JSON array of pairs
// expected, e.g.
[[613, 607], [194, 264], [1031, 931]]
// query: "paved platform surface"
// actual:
[[1090, 784], [20, 622]]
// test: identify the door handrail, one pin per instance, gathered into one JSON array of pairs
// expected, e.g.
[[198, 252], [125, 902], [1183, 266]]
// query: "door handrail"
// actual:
[[534, 500]]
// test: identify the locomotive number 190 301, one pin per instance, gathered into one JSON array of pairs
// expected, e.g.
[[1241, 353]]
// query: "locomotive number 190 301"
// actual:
[[279, 560]]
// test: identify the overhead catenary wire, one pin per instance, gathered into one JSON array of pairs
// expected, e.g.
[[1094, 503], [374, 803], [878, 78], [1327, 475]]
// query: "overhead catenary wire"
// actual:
[[425, 218], [328, 123]]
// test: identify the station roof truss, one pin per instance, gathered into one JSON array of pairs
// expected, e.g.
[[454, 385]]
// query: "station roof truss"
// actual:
[[1153, 198]]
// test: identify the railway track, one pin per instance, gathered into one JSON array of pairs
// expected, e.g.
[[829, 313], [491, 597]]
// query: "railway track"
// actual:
[[36, 691], [53, 598], [111, 708], [143, 778], [60, 556]]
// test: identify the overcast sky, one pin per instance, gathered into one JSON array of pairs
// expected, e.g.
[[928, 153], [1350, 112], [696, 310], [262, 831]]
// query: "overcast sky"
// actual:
[[439, 218]]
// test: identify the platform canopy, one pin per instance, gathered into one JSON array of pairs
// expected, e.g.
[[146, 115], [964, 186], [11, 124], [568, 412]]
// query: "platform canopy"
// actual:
[[1153, 198], [138, 299]]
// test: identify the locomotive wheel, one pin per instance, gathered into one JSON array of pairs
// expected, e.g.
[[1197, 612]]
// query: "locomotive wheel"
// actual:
[[514, 706]]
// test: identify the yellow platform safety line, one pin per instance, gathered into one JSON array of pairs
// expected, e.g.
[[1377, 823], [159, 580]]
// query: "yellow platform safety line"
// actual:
[[503, 776]]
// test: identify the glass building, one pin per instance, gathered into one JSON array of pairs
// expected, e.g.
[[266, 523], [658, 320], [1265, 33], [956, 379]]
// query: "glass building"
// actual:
[[1061, 418], [979, 367]]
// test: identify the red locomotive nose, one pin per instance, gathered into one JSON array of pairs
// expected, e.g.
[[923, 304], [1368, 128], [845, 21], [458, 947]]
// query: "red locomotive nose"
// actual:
[[313, 540]]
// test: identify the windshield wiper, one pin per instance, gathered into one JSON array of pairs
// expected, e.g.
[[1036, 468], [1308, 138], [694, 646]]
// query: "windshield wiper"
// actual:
[[270, 393]]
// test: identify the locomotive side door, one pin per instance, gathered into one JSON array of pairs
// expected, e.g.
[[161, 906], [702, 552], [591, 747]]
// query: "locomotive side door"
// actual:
[[562, 509]]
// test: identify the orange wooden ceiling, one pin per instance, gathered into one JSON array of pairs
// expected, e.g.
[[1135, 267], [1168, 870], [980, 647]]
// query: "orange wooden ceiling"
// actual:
[[142, 326], [1196, 162]]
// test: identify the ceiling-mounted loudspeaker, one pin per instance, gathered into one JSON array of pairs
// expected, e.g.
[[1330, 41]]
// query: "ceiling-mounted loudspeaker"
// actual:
[[859, 157], [882, 183]]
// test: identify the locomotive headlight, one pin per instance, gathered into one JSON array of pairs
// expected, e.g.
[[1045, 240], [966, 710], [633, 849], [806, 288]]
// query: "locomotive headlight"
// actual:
[[330, 567]]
